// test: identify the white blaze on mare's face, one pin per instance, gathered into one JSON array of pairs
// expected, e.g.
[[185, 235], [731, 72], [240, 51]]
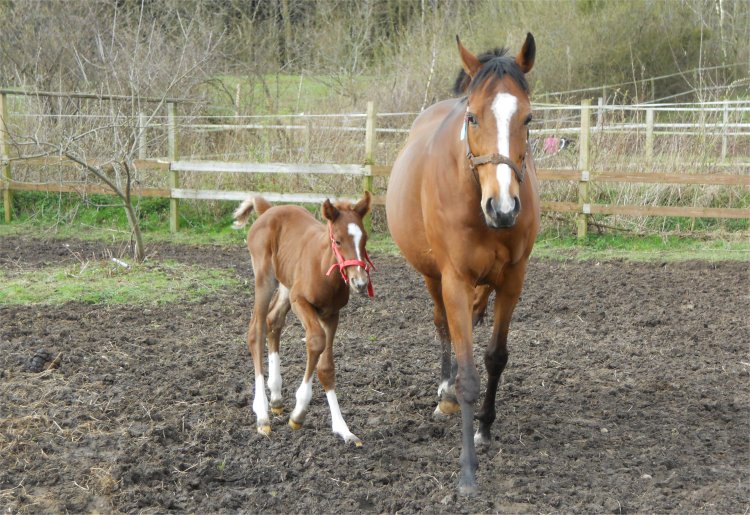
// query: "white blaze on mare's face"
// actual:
[[504, 107]]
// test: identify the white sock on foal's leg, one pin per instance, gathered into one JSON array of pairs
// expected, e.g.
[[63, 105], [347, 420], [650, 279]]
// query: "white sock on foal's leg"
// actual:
[[337, 420], [304, 395], [274, 381], [260, 406]]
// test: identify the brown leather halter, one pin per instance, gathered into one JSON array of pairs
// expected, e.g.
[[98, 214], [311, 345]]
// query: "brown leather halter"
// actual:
[[494, 158]]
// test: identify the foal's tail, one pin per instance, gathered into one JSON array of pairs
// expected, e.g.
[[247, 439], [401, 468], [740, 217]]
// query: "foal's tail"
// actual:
[[242, 213]]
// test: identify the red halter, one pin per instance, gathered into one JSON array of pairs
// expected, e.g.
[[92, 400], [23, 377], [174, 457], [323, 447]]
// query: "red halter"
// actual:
[[342, 263]]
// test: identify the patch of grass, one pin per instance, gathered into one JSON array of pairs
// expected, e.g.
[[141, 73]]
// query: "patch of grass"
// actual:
[[104, 282], [641, 248]]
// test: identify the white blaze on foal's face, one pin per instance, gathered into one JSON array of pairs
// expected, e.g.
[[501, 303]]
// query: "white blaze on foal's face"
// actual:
[[504, 107], [359, 279]]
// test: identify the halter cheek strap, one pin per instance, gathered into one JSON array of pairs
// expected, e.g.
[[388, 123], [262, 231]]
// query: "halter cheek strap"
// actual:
[[342, 263], [494, 158]]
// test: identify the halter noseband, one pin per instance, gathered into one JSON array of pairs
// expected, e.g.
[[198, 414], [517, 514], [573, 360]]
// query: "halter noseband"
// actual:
[[342, 263], [494, 158]]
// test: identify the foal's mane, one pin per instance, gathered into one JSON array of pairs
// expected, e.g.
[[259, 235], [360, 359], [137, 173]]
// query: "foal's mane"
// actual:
[[495, 63]]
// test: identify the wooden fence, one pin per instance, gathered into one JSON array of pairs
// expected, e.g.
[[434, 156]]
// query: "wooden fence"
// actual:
[[174, 166]]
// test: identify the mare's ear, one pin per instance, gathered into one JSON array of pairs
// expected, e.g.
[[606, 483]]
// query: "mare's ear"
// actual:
[[525, 58], [363, 206], [329, 211], [469, 61]]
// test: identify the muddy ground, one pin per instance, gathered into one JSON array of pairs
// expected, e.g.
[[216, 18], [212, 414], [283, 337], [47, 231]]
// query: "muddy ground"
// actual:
[[628, 390]]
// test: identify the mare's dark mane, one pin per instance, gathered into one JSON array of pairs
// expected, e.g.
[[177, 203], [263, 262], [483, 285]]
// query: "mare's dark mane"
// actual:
[[495, 63]]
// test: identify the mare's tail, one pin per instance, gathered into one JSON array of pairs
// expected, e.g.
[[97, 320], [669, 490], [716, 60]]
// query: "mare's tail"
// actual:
[[242, 213]]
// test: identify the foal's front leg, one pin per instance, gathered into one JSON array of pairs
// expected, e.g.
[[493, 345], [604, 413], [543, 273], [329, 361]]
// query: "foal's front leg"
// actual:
[[327, 376], [315, 339]]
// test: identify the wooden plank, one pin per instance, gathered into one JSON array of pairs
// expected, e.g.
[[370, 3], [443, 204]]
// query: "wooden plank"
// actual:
[[294, 198], [722, 179], [684, 211], [140, 164], [83, 189], [559, 174], [246, 167], [560, 207], [381, 170]]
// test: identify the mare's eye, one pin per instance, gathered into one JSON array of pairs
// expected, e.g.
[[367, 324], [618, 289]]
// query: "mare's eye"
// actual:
[[527, 120], [472, 118]]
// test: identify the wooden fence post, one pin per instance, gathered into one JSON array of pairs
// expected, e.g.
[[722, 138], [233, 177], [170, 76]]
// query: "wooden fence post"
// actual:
[[725, 129], [4, 162], [174, 178], [369, 156], [650, 132], [141, 135], [582, 219]]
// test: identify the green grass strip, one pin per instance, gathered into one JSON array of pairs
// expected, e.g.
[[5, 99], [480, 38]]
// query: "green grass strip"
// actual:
[[105, 282]]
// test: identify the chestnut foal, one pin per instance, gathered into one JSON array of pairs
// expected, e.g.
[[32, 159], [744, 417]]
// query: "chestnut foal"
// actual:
[[294, 257]]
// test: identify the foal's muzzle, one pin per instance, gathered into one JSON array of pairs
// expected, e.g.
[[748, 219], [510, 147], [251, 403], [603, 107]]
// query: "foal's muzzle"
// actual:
[[498, 219]]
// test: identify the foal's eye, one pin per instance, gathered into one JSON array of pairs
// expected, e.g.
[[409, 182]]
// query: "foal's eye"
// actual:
[[472, 118], [337, 242], [527, 120]]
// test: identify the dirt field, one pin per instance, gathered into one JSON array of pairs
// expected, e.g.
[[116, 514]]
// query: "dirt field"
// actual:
[[628, 390]]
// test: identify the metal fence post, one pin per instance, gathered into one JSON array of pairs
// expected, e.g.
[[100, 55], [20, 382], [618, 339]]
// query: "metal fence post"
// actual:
[[4, 161], [582, 218], [174, 178], [369, 156]]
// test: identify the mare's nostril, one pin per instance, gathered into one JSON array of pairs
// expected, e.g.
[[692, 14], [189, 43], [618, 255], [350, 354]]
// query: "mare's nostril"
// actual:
[[516, 205]]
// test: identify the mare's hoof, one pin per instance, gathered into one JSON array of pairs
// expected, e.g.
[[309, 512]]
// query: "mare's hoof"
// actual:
[[445, 409], [481, 441], [277, 410], [265, 429], [294, 425]]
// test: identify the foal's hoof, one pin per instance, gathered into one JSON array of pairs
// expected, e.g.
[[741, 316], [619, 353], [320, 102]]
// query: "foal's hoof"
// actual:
[[277, 410], [350, 438], [445, 409], [294, 425], [467, 490], [265, 430]]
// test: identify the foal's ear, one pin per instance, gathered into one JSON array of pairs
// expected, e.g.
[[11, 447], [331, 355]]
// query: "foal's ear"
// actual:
[[525, 58], [469, 61], [363, 206], [329, 211]]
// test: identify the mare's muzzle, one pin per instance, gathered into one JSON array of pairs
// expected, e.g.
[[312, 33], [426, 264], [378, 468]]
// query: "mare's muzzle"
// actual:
[[498, 219]]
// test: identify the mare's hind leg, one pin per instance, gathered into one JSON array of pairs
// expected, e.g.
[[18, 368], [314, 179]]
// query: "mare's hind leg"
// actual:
[[315, 338], [275, 322], [448, 404], [479, 306], [265, 284], [496, 355], [327, 377]]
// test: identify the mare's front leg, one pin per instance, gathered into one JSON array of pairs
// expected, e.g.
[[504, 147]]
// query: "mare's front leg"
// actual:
[[327, 377], [496, 355], [458, 297], [275, 322], [315, 338], [448, 404]]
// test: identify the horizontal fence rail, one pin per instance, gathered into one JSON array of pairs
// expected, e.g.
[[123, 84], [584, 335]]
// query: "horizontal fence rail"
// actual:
[[592, 121]]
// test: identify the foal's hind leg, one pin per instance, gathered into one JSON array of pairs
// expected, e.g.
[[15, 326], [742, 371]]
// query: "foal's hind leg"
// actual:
[[265, 284], [448, 404], [275, 321], [496, 355]]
